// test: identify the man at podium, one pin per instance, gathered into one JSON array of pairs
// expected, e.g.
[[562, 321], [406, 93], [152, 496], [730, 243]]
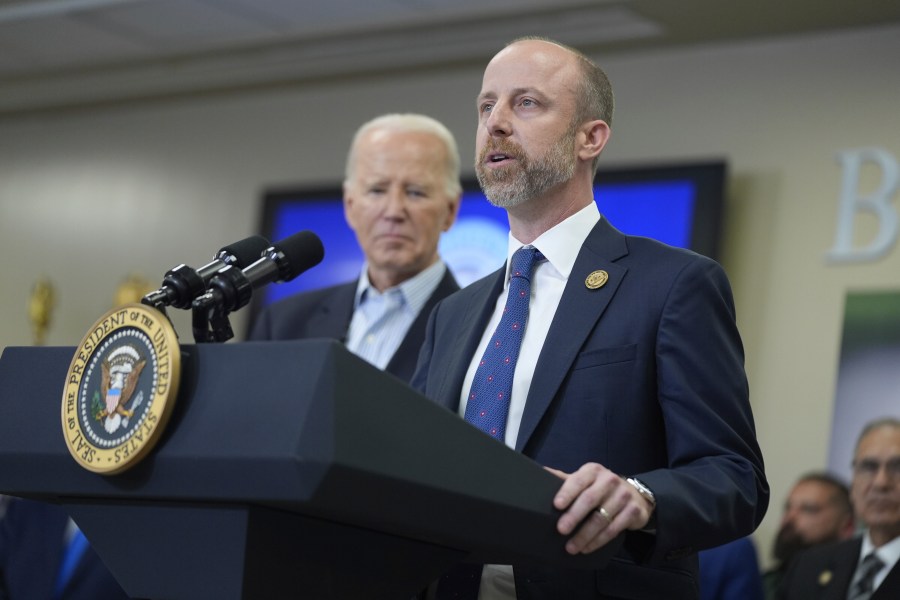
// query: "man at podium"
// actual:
[[612, 360], [401, 191]]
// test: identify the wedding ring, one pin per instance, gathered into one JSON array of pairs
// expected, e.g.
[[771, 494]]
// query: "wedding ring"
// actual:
[[605, 514]]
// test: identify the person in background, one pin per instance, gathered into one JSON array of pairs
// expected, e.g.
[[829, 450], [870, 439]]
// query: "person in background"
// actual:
[[867, 566], [44, 556], [730, 572], [612, 360], [817, 511], [401, 191]]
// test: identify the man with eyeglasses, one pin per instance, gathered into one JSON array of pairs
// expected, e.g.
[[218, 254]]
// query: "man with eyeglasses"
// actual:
[[866, 567]]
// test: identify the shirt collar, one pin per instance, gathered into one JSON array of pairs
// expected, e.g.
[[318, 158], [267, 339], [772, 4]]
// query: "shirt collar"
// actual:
[[889, 553], [414, 292], [561, 243]]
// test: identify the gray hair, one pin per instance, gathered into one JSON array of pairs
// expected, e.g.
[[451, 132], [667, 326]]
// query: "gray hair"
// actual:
[[876, 424], [412, 123]]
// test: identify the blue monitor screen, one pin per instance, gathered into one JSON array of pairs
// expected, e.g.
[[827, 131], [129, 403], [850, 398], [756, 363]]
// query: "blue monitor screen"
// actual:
[[679, 205]]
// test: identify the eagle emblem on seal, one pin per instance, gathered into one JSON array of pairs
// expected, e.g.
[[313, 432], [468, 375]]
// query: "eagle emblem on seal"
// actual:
[[120, 373]]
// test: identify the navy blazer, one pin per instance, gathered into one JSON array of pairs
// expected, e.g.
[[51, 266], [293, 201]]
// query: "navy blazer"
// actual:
[[825, 573], [731, 572], [643, 375], [326, 313], [31, 547]]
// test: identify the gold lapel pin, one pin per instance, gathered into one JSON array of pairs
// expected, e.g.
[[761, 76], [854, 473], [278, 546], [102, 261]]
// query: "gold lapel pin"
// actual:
[[824, 578], [597, 279]]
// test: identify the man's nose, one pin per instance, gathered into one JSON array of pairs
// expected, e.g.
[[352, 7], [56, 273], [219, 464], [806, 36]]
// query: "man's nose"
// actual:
[[498, 122], [395, 203], [885, 474]]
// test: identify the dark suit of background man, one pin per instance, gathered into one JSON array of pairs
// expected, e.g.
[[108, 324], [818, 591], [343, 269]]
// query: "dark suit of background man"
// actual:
[[33, 537], [817, 511], [636, 376], [834, 571], [400, 192]]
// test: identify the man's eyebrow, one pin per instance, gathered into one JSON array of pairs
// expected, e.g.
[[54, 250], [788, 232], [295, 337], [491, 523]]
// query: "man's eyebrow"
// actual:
[[532, 91]]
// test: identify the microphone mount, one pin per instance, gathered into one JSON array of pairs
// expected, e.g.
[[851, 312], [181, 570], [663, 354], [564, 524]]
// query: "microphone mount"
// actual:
[[229, 290], [231, 287], [182, 283]]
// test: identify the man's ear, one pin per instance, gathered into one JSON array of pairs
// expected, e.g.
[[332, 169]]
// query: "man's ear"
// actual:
[[592, 139], [348, 205], [453, 212]]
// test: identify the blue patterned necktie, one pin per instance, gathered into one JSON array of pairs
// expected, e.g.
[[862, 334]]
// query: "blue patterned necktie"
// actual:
[[488, 404]]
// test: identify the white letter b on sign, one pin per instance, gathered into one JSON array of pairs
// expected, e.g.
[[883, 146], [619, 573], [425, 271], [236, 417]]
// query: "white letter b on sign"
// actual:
[[878, 204]]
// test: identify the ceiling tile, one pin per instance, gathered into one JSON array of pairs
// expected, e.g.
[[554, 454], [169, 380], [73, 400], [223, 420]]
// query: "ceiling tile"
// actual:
[[177, 25], [61, 41], [56, 53], [318, 17]]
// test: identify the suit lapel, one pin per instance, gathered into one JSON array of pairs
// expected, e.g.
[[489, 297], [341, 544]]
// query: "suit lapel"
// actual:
[[480, 298], [576, 317], [890, 587], [835, 578], [333, 314], [403, 362]]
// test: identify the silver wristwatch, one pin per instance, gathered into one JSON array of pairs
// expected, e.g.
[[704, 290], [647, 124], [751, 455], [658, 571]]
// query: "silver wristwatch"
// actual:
[[644, 491]]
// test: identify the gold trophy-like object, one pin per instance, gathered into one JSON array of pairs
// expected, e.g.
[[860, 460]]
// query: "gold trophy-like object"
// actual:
[[131, 290], [40, 309]]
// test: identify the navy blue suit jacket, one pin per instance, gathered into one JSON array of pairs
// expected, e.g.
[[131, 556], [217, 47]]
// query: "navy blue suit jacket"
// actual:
[[31, 548], [326, 313], [825, 573], [731, 572], [644, 376]]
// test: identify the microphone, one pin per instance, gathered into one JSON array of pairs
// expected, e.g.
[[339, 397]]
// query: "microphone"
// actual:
[[182, 284], [230, 288]]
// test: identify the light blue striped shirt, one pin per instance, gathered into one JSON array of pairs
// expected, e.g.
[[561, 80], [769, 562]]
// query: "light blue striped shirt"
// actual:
[[381, 319]]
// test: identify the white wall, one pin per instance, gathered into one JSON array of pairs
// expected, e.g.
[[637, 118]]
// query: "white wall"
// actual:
[[87, 197]]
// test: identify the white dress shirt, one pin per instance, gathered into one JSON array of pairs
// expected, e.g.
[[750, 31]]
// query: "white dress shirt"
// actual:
[[560, 246], [889, 555]]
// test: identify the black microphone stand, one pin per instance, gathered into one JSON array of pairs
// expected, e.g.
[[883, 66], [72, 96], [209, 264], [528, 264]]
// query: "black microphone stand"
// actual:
[[228, 290], [209, 320], [179, 283]]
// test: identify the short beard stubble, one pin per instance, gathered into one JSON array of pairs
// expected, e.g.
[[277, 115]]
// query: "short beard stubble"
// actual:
[[528, 177]]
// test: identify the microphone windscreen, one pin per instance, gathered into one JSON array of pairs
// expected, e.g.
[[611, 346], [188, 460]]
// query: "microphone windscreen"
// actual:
[[301, 251], [246, 250]]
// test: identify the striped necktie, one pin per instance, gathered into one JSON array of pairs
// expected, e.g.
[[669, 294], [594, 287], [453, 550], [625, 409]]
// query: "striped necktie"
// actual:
[[865, 582]]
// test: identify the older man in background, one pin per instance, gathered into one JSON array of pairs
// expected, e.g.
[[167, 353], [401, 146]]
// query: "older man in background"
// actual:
[[866, 567], [401, 192]]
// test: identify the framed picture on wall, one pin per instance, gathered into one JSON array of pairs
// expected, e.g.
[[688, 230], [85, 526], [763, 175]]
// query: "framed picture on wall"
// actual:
[[868, 379]]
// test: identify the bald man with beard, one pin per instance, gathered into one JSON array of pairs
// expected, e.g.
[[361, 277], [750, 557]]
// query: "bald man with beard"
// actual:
[[817, 511], [612, 360]]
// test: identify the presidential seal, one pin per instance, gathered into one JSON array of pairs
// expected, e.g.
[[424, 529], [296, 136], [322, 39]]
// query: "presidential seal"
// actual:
[[120, 389]]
